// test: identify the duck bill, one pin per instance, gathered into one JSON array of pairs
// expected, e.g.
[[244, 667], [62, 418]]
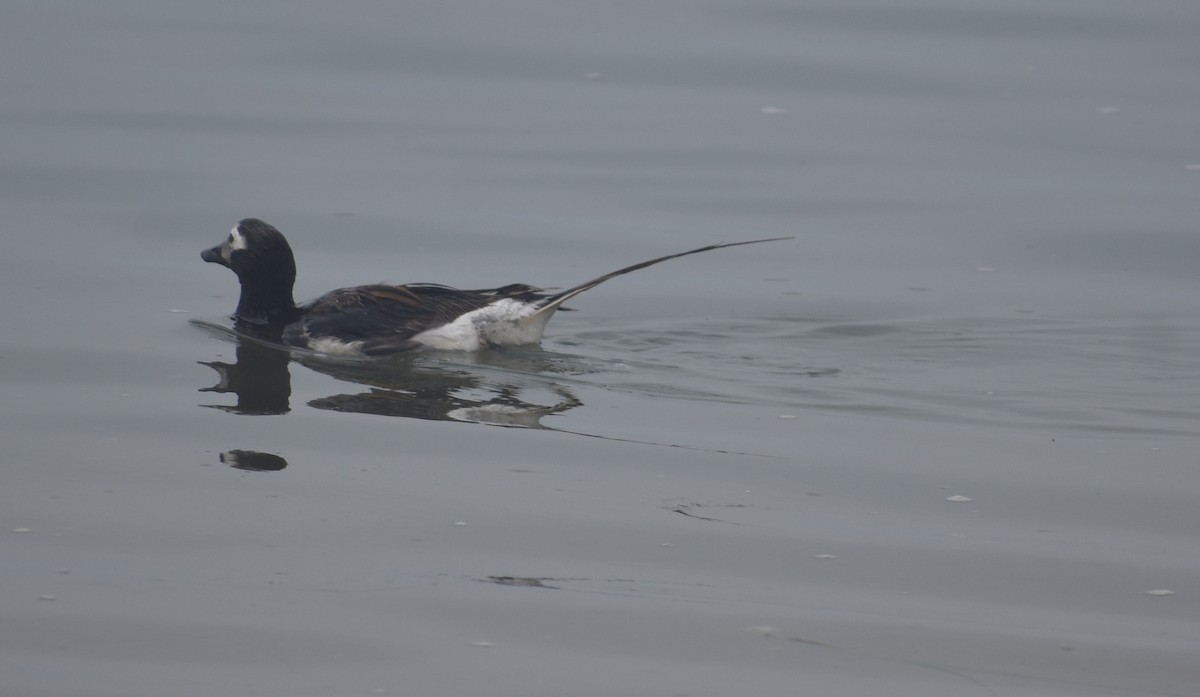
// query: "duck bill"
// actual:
[[214, 256]]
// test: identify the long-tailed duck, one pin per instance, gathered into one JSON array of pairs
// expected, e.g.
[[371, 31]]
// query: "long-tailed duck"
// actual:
[[381, 319]]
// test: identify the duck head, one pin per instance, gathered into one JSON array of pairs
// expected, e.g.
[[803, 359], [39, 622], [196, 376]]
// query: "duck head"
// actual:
[[265, 267]]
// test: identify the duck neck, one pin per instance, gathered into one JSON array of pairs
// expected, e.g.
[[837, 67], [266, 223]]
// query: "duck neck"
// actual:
[[265, 303]]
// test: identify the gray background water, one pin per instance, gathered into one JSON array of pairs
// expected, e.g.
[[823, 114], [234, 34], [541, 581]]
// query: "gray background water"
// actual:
[[739, 481]]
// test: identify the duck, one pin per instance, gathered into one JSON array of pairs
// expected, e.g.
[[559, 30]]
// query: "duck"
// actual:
[[380, 319]]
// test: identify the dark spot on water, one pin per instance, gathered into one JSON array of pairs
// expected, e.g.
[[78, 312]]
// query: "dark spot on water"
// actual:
[[524, 581], [253, 461]]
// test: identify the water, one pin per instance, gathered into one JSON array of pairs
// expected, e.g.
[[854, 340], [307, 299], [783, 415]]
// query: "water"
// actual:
[[942, 443]]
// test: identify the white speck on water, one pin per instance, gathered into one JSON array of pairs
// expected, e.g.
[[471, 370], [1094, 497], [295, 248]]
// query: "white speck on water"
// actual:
[[1160, 592], [1192, 168], [787, 417], [666, 544], [176, 311], [957, 499], [772, 110], [1108, 110], [825, 556], [985, 268], [593, 76], [47, 597], [460, 523], [22, 529], [765, 630], [484, 644]]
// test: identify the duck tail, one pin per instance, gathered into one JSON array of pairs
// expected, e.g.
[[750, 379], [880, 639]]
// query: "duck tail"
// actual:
[[550, 303]]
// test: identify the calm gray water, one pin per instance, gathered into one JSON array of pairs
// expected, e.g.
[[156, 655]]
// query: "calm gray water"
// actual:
[[943, 443]]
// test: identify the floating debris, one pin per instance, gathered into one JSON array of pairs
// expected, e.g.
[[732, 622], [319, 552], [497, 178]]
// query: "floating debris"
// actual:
[[22, 529], [787, 417], [825, 556], [957, 499], [1160, 592]]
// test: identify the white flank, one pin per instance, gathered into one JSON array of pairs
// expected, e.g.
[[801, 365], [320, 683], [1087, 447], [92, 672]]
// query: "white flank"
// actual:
[[505, 322]]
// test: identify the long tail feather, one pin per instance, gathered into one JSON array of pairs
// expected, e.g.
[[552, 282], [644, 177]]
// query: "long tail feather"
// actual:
[[551, 303]]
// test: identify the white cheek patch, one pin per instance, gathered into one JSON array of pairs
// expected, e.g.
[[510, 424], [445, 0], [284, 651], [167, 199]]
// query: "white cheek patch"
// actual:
[[236, 240]]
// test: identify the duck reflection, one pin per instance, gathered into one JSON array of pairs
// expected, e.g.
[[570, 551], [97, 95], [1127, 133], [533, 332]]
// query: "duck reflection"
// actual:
[[259, 377], [500, 388]]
